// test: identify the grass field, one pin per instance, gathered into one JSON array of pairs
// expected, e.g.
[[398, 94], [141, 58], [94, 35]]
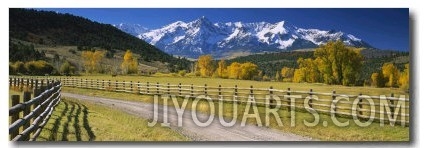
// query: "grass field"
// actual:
[[75, 120], [331, 132]]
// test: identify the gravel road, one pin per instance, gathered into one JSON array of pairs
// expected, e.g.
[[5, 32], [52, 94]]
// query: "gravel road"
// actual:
[[214, 132]]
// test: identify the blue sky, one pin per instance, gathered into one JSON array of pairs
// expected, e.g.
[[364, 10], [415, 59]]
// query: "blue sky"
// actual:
[[383, 28]]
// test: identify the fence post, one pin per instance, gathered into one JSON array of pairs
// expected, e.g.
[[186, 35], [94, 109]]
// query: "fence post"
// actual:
[[179, 89], [334, 96], [41, 84], [86, 83], [169, 90], [51, 83], [15, 101], [103, 84], [157, 88], [219, 92], [131, 86], [360, 104], [236, 94], [14, 83], [27, 84], [27, 97], [139, 87], [74, 82], [35, 85], [191, 90], [271, 98], [48, 84], [31, 84], [124, 85], [392, 105], [310, 103], [109, 86], [289, 107], [116, 85], [91, 84], [205, 90], [19, 84], [148, 88], [251, 92], [10, 82]]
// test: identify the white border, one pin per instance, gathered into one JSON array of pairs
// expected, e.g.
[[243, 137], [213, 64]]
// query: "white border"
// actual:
[[419, 11]]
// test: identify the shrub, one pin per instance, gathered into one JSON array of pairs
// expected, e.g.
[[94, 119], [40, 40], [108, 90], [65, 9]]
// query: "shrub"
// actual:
[[182, 73]]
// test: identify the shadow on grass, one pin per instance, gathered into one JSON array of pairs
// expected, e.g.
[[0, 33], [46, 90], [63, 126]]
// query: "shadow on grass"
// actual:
[[71, 111], [56, 125], [76, 123], [87, 126]]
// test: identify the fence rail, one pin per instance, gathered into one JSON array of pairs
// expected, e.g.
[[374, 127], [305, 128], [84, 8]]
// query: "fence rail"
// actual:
[[29, 116], [386, 108]]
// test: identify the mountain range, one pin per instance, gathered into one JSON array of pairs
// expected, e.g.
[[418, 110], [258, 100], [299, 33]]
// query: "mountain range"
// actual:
[[222, 40]]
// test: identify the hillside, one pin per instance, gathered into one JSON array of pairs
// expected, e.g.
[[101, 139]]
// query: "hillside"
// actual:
[[55, 29]]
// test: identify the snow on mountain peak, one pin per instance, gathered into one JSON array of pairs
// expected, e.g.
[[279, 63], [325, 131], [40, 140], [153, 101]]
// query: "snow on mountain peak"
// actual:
[[352, 37], [133, 29], [201, 36]]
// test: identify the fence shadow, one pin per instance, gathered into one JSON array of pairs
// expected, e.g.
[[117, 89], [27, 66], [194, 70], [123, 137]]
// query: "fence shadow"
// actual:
[[76, 123], [56, 124], [69, 124], [66, 124], [87, 126]]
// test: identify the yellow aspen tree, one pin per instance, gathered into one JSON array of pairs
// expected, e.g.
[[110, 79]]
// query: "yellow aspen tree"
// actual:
[[391, 74], [92, 60], [287, 74], [248, 71], [404, 80], [205, 65], [130, 64], [299, 75], [234, 70], [222, 69]]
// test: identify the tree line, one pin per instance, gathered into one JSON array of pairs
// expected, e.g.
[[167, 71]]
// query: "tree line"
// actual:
[[207, 67], [333, 63]]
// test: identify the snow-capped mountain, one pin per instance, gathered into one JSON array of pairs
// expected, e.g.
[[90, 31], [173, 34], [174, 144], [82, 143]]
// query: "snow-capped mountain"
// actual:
[[201, 36], [133, 29]]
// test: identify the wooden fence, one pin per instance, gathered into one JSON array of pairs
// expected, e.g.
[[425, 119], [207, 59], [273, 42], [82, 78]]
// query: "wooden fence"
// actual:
[[382, 108], [29, 115]]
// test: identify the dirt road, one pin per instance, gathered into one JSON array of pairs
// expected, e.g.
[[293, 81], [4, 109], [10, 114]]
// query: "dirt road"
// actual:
[[214, 132]]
